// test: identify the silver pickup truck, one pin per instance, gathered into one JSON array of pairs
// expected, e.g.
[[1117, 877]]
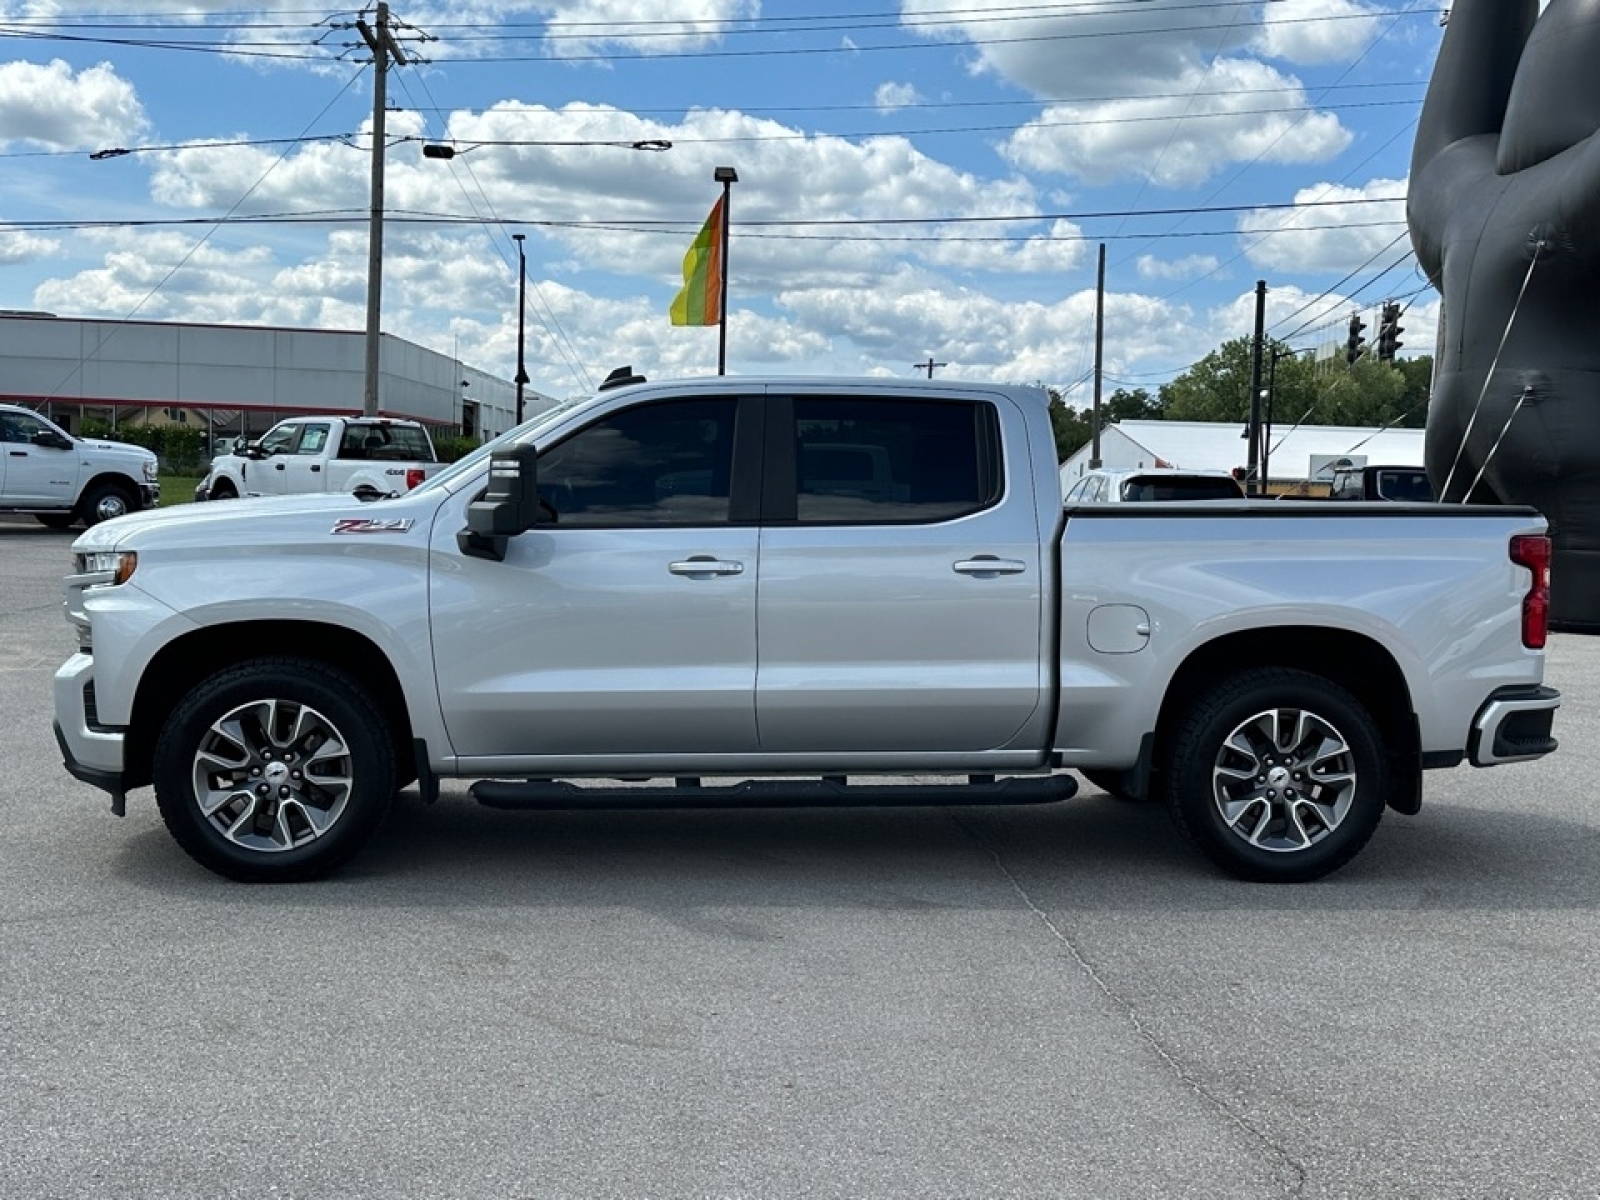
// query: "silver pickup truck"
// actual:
[[804, 586]]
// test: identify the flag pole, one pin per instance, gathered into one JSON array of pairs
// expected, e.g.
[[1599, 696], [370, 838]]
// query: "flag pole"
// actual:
[[727, 177]]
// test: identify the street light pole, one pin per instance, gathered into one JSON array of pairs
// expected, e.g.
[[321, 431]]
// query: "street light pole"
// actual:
[[522, 308], [727, 177]]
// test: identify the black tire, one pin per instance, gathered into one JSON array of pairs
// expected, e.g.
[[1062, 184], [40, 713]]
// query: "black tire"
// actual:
[[55, 520], [286, 714], [222, 490], [1277, 775], [104, 501]]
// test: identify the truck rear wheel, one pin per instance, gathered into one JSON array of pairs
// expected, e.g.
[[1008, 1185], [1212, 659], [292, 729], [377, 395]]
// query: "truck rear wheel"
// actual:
[[1277, 775], [274, 770]]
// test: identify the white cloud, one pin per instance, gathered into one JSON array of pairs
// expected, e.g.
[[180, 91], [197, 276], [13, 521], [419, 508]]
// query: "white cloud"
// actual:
[[892, 96], [1188, 267], [546, 188], [1316, 31], [1151, 90], [48, 104], [1238, 111], [1335, 237], [578, 27]]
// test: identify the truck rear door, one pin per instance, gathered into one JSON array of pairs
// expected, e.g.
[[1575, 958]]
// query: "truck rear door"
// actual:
[[900, 604]]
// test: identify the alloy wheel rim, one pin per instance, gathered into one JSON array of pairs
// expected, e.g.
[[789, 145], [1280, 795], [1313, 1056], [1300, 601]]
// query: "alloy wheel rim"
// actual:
[[272, 775], [1283, 780]]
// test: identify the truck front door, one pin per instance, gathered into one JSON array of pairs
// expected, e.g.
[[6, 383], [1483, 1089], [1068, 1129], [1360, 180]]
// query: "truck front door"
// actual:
[[37, 473], [900, 607], [306, 469], [269, 474], [628, 626]]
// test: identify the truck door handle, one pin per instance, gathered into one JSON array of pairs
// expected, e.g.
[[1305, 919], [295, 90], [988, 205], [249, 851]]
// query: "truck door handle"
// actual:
[[988, 564], [277, 466], [17, 453], [704, 565], [315, 467]]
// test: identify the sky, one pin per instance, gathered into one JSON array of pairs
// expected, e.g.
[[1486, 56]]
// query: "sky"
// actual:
[[922, 182]]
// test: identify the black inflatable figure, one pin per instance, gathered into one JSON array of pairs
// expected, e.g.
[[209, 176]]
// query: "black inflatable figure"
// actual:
[[1504, 212]]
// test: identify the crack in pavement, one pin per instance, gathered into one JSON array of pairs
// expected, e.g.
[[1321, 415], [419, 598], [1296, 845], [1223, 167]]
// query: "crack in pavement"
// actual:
[[1131, 1015]]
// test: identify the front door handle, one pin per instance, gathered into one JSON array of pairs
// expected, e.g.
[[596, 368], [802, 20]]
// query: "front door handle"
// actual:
[[988, 564], [701, 565], [277, 466]]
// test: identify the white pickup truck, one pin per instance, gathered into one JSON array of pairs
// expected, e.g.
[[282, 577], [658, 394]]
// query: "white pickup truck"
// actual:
[[652, 584], [62, 480], [366, 457]]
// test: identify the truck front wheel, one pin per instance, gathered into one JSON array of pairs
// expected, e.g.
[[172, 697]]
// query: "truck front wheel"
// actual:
[[274, 770], [1277, 775], [104, 501]]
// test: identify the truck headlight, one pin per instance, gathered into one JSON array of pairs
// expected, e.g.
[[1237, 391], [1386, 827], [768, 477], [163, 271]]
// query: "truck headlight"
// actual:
[[150, 470], [108, 566]]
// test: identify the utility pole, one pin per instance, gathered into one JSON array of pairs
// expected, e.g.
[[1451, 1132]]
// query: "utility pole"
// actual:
[[1252, 478], [1099, 343], [929, 366], [522, 309], [381, 41]]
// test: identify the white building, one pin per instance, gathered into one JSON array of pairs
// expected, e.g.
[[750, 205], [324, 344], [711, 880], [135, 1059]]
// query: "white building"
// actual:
[[238, 378], [1294, 455]]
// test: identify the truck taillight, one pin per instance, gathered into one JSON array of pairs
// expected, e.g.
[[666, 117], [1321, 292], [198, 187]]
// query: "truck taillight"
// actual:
[[1533, 551], [413, 477]]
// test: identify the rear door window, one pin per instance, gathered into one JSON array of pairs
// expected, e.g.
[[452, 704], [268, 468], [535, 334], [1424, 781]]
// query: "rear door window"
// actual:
[[887, 460]]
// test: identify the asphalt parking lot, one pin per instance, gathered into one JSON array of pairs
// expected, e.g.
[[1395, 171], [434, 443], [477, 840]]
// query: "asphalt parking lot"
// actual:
[[1039, 1002]]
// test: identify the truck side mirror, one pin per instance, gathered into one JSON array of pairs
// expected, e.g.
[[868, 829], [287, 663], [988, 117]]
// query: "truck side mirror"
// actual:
[[52, 440], [509, 505]]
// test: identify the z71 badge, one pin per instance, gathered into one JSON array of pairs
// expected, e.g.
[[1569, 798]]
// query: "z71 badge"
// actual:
[[371, 525]]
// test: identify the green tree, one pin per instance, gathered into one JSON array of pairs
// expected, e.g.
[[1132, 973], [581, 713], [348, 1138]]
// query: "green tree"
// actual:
[[1072, 428]]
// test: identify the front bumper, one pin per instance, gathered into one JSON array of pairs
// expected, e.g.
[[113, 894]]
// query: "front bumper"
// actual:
[[90, 751], [149, 495], [1513, 726]]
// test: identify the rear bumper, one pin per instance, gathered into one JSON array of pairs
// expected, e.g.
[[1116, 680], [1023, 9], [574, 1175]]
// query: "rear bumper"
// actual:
[[1513, 726]]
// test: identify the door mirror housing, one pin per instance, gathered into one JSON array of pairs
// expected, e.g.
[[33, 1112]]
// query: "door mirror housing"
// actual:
[[509, 506], [50, 439]]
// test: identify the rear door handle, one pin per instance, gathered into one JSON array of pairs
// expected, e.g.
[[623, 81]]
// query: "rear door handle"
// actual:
[[988, 564], [705, 565]]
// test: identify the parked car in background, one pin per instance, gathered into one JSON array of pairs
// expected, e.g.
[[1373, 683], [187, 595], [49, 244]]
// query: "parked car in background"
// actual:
[[367, 457], [62, 480], [1381, 483], [1117, 486]]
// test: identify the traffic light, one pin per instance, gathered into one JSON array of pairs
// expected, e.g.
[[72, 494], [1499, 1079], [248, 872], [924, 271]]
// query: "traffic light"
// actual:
[[1389, 331], [1356, 345]]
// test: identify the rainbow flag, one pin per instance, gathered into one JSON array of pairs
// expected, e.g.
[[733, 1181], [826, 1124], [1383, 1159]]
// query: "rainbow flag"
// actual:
[[699, 302]]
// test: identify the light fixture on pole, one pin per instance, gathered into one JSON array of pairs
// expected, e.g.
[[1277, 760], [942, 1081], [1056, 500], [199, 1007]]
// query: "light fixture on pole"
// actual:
[[522, 308], [727, 177]]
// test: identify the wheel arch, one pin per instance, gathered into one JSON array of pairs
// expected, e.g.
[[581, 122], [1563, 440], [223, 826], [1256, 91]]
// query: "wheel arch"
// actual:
[[123, 483], [1357, 663], [185, 661]]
